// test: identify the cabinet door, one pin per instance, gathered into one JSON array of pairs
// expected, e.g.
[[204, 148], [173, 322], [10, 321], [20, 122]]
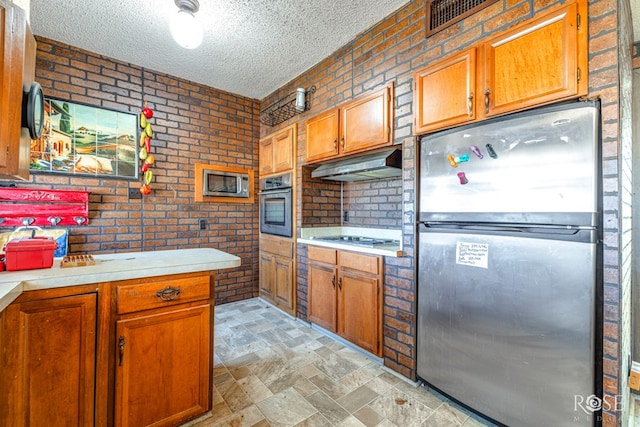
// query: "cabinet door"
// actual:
[[322, 136], [267, 267], [358, 312], [265, 157], [47, 365], [444, 93], [283, 143], [171, 352], [16, 74], [365, 122], [537, 62], [284, 283], [322, 295]]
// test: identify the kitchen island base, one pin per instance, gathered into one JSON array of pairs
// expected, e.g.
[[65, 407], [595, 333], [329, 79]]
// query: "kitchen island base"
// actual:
[[134, 352]]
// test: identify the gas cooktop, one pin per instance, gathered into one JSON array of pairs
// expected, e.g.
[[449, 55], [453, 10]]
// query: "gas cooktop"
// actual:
[[358, 240]]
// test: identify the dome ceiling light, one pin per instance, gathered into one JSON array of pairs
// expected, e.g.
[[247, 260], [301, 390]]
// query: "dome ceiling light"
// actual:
[[185, 28]]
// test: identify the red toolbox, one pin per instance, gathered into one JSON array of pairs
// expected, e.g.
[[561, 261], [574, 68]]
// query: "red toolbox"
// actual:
[[29, 253]]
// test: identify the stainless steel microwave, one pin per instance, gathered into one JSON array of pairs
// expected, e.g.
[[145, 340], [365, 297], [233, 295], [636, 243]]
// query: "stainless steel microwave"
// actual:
[[225, 184]]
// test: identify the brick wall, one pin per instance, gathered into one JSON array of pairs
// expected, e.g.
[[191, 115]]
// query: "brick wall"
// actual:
[[391, 51], [192, 124]]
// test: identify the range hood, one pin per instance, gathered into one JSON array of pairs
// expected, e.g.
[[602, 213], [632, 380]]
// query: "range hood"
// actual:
[[383, 164]]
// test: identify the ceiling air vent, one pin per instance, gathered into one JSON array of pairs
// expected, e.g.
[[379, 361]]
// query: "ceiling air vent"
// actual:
[[442, 13]]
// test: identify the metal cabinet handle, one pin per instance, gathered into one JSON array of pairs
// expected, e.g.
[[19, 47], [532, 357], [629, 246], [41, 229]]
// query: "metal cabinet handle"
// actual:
[[343, 143], [333, 281], [121, 345], [340, 283], [168, 293], [487, 93], [470, 104], [335, 144]]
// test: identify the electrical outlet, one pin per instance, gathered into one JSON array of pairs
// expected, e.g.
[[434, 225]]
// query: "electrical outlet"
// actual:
[[345, 216], [134, 193], [202, 224]]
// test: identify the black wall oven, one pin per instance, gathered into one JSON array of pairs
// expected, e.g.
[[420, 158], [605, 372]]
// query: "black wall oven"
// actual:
[[276, 205]]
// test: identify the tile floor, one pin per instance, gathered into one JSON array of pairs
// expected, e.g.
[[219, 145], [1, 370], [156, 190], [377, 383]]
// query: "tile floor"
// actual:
[[271, 370]]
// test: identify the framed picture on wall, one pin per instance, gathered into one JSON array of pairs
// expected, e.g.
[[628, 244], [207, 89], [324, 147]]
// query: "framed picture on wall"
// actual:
[[79, 139]]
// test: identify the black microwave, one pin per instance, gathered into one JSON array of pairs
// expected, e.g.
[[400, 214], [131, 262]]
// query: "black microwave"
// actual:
[[225, 184]]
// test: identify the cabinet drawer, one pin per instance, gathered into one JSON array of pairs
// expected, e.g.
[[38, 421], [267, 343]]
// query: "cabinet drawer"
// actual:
[[354, 261], [160, 293], [326, 255], [276, 246]]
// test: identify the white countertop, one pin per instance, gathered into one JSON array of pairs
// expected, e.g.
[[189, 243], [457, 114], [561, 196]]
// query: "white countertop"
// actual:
[[111, 267], [308, 236]]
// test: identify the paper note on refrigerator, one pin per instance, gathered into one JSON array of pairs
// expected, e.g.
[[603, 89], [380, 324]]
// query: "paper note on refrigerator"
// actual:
[[473, 254]]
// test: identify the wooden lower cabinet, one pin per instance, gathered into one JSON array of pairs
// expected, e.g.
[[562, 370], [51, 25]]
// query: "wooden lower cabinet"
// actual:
[[162, 374], [277, 272], [322, 295], [129, 353], [345, 295], [48, 362], [358, 312]]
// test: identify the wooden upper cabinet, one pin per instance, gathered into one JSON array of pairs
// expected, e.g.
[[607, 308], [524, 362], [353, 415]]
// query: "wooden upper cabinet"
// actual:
[[358, 125], [283, 143], [365, 122], [17, 72], [277, 151], [537, 62], [266, 156], [444, 93], [322, 136]]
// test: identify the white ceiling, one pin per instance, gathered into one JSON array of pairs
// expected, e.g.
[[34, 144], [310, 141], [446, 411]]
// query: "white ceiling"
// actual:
[[250, 47]]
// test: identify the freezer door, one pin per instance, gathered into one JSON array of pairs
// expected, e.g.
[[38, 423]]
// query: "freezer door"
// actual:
[[506, 325], [543, 161]]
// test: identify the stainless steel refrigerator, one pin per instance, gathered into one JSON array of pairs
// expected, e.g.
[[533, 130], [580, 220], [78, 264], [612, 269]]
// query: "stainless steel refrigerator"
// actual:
[[508, 255]]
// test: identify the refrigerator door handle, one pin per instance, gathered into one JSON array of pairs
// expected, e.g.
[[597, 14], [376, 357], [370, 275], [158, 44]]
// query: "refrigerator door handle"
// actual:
[[567, 231]]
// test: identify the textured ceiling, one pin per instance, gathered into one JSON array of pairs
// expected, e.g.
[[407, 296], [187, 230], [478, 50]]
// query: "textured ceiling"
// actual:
[[250, 47]]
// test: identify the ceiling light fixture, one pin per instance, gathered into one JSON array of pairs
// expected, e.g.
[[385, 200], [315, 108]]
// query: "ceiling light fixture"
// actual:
[[185, 28]]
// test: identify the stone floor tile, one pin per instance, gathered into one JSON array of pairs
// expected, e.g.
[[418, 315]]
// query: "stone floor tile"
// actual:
[[305, 387], [351, 422], [335, 367], [287, 408], [357, 398], [332, 388], [445, 416], [315, 420], [234, 396], [401, 409], [422, 394], [239, 373], [368, 416], [247, 417], [328, 407], [309, 370], [356, 379], [254, 388]]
